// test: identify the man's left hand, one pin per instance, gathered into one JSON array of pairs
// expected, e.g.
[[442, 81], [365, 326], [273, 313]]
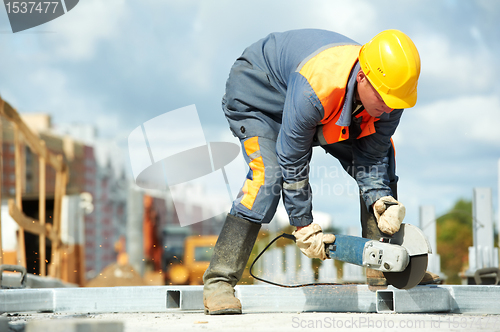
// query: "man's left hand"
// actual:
[[389, 213]]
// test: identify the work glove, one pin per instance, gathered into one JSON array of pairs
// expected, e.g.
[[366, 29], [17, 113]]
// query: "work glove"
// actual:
[[389, 216], [311, 241]]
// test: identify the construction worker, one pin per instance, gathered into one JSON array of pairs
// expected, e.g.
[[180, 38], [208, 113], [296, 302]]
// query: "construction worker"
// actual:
[[294, 90]]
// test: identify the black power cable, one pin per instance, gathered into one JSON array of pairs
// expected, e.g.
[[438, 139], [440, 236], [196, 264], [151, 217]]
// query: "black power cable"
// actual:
[[291, 237]]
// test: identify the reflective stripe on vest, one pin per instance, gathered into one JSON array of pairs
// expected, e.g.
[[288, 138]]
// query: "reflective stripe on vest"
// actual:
[[328, 73]]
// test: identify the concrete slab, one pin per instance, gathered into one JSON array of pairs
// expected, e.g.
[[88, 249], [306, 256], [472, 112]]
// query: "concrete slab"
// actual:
[[4, 324], [275, 322], [74, 325]]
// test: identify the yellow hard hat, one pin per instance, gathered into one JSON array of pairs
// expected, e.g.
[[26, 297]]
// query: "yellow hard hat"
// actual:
[[391, 63]]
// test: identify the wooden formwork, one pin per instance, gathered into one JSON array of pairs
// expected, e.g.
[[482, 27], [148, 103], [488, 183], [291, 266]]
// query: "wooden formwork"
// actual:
[[59, 261]]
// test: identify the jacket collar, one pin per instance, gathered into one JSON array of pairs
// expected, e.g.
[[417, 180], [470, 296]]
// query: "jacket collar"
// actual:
[[346, 115]]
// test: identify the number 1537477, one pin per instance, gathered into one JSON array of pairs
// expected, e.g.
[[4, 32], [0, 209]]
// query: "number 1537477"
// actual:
[[31, 7]]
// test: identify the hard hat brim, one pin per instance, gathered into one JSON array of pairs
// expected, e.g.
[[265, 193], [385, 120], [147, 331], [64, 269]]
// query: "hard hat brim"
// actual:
[[398, 103]]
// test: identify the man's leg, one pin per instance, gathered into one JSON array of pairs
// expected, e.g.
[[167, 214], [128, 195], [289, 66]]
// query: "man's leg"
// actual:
[[369, 225], [369, 228], [256, 204]]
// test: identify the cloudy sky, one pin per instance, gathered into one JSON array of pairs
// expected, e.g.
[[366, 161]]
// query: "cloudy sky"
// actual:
[[119, 63]]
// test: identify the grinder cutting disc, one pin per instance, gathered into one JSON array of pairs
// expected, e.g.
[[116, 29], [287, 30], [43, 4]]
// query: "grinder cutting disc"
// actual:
[[411, 276], [416, 244]]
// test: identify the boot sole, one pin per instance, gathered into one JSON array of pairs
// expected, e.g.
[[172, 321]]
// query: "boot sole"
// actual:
[[431, 282], [227, 311]]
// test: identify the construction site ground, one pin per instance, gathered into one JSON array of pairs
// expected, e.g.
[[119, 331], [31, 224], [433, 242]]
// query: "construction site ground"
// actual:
[[197, 321], [265, 308]]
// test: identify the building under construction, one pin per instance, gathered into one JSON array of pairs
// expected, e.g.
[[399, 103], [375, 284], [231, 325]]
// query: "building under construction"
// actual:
[[57, 218], [65, 212]]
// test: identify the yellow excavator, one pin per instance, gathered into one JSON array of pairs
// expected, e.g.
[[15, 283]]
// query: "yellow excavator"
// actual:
[[190, 268]]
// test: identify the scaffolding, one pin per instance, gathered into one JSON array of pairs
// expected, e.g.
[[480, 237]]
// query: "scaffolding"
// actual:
[[44, 230]]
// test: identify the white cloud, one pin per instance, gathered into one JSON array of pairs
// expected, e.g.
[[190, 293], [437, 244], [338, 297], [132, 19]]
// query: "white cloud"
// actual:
[[451, 68], [446, 148], [456, 121], [49, 79], [48, 90], [215, 31], [489, 6], [80, 30], [356, 19]]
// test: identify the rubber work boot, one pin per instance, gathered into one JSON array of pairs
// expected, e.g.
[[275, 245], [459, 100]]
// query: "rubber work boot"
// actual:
[[231, 253], [375, 278], [430, 278], [370, 230]]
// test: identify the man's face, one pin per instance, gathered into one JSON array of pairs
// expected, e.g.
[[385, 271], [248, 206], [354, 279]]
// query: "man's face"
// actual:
[[370, 98]]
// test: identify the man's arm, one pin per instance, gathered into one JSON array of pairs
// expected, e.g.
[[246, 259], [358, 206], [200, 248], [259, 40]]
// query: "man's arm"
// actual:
[[301, 115]]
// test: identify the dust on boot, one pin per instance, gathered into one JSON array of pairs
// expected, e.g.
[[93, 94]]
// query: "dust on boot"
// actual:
[[231, 253]]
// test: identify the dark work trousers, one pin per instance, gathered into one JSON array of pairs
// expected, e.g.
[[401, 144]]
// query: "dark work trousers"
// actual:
[[343, 152]]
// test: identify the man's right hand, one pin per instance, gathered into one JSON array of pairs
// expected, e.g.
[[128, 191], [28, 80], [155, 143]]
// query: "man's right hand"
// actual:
[[389, 213]]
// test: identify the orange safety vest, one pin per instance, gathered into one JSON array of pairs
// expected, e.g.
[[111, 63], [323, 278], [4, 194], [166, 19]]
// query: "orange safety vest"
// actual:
[[327, 73]]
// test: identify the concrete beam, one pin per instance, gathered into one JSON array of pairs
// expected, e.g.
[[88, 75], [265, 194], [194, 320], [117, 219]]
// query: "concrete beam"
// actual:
[[481, 299]]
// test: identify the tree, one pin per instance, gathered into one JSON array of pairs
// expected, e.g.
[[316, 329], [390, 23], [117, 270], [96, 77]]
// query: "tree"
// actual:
[[454, 237]]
